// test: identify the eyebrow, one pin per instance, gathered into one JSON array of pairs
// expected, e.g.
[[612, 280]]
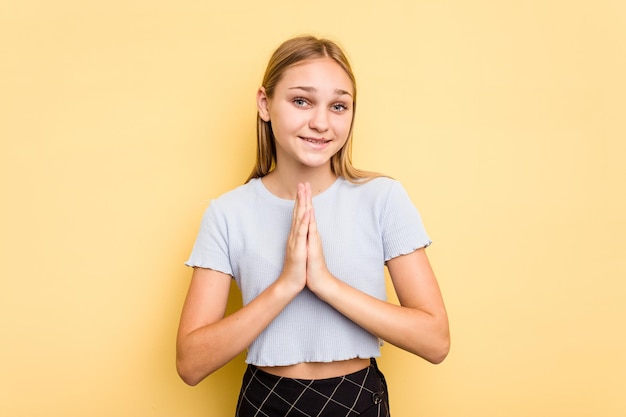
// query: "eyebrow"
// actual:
[[338, 91]]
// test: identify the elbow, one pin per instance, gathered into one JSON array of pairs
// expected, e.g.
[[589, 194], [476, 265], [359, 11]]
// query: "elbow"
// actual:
[[434, 350], [439, 352], [193, 366], [188, 372], [189, 380], [441, 345], [189, 369], [439, 349], [431, 343]]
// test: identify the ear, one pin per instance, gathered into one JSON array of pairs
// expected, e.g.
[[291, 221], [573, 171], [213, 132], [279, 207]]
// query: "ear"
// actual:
[[263, 104]]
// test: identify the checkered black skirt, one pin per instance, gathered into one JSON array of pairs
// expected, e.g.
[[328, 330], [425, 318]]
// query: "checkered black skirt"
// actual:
[[363, 393]]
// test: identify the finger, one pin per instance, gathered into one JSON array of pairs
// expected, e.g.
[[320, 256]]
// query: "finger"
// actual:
[[302, 205], [303, 229], [313, 233], [315, 252], [298, 210], [299, 235], [300, 222], [294, 212], [308, 196]]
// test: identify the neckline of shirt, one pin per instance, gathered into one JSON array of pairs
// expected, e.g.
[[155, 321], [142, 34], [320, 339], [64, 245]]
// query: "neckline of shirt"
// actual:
[[261, 187]]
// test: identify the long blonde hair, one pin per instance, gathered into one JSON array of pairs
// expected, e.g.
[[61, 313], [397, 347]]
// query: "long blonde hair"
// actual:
[[288, 54]]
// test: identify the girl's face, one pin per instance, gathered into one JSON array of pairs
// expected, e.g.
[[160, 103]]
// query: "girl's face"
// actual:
[[310, 112]]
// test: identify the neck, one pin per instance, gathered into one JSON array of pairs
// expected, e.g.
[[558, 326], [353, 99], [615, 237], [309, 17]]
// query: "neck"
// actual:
[[285, 184]]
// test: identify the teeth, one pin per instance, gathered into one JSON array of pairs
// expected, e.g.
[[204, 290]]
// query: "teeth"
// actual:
[[315, 141]]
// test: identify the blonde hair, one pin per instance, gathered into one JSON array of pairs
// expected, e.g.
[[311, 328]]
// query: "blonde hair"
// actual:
[[290, 53]]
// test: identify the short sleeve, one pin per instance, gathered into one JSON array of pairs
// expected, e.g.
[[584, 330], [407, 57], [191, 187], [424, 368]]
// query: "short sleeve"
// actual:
[[402, 226], [211, 247]]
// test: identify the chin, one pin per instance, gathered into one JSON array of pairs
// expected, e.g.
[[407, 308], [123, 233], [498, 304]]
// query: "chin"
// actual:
[[316, 164]]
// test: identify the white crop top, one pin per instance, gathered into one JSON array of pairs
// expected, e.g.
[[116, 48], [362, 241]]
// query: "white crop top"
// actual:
[[243, 234]]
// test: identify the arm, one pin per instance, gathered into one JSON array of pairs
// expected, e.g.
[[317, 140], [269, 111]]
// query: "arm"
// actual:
[[417, 289], [419, 325], [206, 339]]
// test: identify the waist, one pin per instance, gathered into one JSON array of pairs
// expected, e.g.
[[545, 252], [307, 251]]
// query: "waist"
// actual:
[[317, 370]]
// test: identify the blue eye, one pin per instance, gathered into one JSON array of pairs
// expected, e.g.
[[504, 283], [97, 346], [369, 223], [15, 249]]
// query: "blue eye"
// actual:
[[300, 102], [339, 107]]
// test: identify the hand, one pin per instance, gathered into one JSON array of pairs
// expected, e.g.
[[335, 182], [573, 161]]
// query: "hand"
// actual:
[[317, 274], [295, 267]]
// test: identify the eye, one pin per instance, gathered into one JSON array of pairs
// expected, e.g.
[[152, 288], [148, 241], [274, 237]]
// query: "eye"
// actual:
[[339, 107], [301, 102]]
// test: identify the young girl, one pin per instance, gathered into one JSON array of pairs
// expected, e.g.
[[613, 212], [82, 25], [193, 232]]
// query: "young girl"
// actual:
[[307, 238]]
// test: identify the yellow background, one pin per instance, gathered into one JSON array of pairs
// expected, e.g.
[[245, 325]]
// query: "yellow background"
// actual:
[[120, 120]]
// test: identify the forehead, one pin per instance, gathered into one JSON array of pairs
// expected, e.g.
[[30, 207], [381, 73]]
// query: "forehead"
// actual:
[[321, 73]]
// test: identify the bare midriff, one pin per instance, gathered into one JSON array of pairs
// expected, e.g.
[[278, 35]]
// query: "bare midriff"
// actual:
[[318, 370]]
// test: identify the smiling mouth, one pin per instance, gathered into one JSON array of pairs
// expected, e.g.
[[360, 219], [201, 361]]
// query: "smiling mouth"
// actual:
[[315, 141]]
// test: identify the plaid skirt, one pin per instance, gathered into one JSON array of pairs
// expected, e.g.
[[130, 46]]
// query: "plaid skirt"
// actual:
[[362, 393]]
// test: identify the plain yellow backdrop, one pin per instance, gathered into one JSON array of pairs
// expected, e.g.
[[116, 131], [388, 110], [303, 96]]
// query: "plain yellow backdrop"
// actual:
[[120, 120]]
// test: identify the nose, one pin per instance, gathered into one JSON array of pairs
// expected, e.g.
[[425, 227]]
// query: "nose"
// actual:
[[319, 120]]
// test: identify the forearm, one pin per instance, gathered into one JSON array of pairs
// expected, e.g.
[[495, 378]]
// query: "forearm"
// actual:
[[423, 333], [208, 348]]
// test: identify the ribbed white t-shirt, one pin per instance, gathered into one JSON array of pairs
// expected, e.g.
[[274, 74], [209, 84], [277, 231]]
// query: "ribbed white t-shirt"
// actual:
[[244, 233]]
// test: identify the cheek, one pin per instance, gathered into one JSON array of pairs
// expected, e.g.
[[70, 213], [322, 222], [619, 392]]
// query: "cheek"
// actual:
[[285, 126], [285, 118], [343, 127]]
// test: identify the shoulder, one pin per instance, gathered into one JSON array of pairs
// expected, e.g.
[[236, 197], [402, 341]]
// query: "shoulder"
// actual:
[[376, 183], [237, 196], [232, 204], [379, 188]]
